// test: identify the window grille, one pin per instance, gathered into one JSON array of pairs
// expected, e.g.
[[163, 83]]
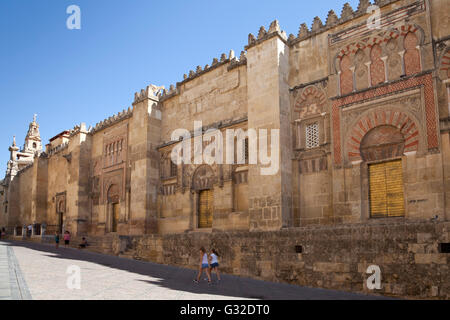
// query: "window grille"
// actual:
[[173, 169], [312, 135], [246, 155]]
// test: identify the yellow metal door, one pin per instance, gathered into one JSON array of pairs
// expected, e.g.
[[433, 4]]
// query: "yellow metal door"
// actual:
[[386, 189], [115, 217], [205, 209], [394, 189]]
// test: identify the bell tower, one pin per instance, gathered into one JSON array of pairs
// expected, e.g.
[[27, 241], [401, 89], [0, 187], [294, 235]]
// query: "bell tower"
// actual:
[[33, 143]]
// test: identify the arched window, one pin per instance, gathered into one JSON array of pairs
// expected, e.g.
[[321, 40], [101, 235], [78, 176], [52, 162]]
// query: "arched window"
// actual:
[[377, 70], [346, 80], [361, 79], [412, 56]]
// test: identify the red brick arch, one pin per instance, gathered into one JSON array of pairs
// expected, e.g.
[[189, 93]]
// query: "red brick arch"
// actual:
[[379, 40], [312, 90], [351, 49], [405, 123], [310, 95], [444, 69], [405, 29], [375, 41]]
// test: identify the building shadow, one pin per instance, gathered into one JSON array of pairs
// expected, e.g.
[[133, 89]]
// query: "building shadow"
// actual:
[[181, 279]]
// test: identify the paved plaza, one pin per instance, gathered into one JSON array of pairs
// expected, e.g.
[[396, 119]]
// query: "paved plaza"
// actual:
[[40, 272], [12, 284]]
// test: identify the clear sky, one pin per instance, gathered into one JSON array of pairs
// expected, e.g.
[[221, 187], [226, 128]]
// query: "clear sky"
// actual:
[[73, 76]]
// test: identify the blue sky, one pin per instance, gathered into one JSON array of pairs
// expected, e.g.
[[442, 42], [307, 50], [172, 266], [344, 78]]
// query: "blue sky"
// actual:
[[73, 76]]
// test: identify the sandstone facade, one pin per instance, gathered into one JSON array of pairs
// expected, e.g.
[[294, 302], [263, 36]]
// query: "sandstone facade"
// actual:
[[364, 122]]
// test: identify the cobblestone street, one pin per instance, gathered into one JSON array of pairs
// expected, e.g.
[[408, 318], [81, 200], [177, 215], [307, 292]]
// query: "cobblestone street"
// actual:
[[39, 272]]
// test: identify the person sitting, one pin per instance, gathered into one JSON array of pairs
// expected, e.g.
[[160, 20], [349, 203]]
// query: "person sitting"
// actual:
[[83, 243]]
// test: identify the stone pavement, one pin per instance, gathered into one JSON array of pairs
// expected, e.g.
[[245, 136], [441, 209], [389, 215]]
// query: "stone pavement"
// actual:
[[12, 284], [45, 268]]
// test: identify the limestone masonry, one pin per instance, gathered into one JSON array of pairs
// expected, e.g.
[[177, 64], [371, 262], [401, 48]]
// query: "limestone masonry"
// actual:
[[364, 178]]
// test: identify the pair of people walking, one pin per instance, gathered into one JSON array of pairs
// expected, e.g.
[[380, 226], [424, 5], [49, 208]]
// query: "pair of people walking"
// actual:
[[66, 238], [208, 263]]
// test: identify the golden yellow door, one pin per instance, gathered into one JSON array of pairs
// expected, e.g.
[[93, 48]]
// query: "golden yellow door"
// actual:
[[205, 213], [115, 216], [386, 189]]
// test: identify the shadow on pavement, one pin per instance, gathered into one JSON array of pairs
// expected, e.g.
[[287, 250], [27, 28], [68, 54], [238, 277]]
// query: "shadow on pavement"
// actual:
[[180, 279]]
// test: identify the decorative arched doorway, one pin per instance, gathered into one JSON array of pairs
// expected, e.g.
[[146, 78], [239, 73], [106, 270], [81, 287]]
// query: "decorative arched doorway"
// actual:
[[61, 209], [382, 149], [113, 208], [202, 187], [205, 212]]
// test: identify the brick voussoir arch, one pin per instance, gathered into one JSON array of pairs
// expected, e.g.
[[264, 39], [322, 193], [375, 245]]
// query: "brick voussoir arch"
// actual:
[[372, 119], [444, 65], [424, 80], [312, 90], [318, 96]]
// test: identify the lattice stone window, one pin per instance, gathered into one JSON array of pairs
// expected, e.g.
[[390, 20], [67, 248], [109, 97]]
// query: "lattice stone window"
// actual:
[[312, 135], [173, 169], [246, 154]]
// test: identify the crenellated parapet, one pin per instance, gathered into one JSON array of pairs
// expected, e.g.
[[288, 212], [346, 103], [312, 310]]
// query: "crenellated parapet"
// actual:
[[347, 14], [57, 149], [77, 129], [263, 35], [168, 93], [238, 62], [125, 114], [150, 92], [231, 59]]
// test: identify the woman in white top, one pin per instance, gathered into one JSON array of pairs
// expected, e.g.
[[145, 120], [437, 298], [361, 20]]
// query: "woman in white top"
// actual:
[[214, 258], [204, 265]]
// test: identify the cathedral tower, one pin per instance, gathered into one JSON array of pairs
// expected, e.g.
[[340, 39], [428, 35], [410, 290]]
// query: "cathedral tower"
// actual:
[[33, 143]]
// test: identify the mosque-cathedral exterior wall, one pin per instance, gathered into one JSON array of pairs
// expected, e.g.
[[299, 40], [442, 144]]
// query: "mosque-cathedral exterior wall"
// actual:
[[349, 102]]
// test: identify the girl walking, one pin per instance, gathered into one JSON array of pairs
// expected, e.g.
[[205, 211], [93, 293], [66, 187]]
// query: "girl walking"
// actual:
[[66, 238], [204, 266], [214, 258], [56, 240]]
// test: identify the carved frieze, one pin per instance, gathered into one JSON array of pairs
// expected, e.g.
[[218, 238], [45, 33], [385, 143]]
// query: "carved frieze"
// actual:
[[204, 178], [113, 186], [310, 101]]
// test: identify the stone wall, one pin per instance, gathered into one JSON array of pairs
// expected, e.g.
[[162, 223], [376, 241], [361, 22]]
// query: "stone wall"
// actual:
[[332, 257], [218, 93]]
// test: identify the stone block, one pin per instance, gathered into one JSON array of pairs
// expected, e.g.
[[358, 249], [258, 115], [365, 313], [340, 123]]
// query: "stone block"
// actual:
[[429, 258], [424, 237], [331, 267], [416, 248]]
